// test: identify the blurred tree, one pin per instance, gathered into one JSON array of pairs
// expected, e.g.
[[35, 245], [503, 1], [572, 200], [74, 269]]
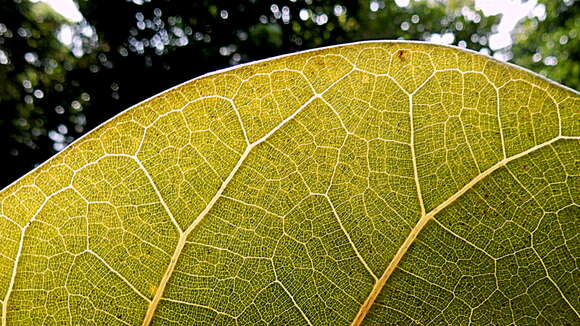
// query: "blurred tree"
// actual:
[[33, 76], [126, 51], [550, 44], [148, 46]]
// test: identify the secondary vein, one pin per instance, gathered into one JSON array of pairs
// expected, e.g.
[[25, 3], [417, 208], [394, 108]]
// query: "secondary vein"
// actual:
[[365, 307]]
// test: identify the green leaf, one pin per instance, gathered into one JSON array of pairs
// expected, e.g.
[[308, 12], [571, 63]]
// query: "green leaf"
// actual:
[[371, 183]]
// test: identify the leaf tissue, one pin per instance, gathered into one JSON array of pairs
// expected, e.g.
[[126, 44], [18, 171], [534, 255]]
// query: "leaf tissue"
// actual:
[[375, 183]]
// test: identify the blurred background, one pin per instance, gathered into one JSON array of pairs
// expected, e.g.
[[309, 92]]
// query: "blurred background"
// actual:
[[68, 65]]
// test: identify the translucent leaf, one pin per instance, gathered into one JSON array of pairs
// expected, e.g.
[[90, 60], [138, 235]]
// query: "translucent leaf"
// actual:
[[371, 183]]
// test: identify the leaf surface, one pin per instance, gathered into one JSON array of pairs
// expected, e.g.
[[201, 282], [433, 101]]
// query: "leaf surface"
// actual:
[[371, 183]]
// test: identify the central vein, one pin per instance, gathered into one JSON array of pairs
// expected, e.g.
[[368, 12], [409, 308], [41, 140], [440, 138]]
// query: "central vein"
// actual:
[[183, 235]]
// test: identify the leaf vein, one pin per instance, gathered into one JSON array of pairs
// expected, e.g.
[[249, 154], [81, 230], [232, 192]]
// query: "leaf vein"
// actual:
[[183, 235], [364, 309]]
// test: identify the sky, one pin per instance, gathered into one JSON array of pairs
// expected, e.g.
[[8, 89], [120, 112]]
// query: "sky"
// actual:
[[67, 8], [512, 12]]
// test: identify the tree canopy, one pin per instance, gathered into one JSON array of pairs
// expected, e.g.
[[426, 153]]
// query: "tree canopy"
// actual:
[[126, 51]]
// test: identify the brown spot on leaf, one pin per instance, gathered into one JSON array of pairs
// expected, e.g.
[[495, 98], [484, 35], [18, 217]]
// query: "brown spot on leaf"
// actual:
[[401, 54]]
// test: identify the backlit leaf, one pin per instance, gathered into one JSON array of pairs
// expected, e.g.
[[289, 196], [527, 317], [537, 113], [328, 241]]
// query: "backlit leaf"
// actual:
[[372, 183]]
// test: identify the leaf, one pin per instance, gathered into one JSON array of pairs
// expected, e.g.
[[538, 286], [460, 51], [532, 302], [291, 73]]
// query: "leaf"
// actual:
[[375, 183]]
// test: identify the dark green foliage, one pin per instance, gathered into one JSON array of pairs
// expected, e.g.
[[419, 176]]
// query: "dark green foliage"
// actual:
[[139, 48]]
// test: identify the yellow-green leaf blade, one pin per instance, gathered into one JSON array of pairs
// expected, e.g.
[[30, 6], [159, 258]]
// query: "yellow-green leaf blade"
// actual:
[[289, 191], [503, 254]]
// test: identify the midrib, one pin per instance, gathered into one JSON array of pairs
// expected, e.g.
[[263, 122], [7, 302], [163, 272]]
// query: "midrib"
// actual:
[[183, 238], [365, 307], [379, 284], [183, 235]]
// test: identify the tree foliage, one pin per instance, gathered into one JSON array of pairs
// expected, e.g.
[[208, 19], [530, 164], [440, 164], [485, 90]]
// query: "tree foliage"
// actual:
[[126, 51], [370, 183]]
